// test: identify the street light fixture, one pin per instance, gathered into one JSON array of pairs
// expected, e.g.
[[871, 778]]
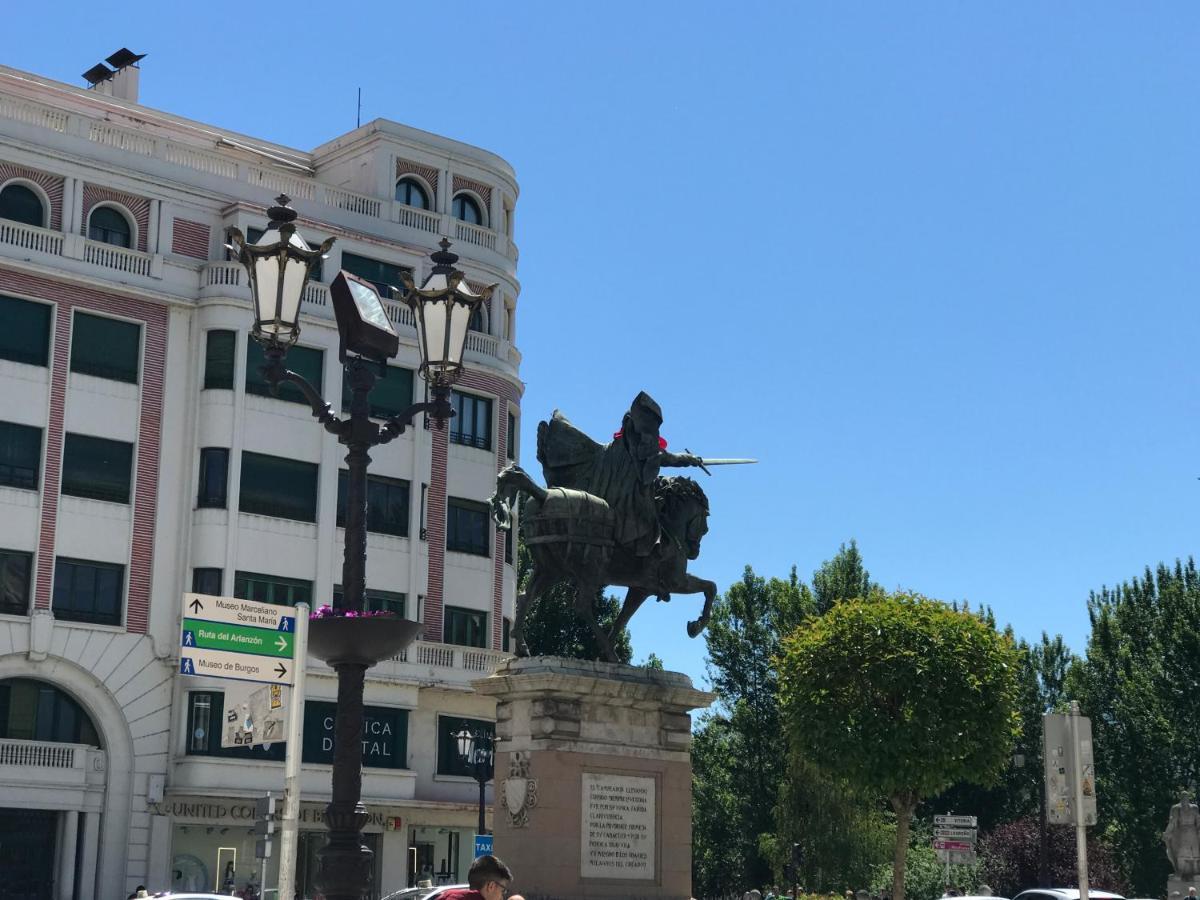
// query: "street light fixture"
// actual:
[[476, 749], [279, 265]]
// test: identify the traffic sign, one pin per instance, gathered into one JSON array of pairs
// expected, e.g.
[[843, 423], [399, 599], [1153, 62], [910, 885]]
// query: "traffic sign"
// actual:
[[952, 845], [483, 845], [223, 637], [954, 834], [956, 857], [239, 612], [956, 821], [1066, 760]]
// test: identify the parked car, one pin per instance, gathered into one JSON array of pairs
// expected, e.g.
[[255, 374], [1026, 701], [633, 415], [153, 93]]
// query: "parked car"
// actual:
[[1065, 894], [419, 893]]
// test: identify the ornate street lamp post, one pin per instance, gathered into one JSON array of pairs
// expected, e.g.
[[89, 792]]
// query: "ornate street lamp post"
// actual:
[[278, 265], [475, 748]]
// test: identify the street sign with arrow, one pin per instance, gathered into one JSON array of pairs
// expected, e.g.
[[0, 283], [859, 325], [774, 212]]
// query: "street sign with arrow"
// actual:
[[223, 637]]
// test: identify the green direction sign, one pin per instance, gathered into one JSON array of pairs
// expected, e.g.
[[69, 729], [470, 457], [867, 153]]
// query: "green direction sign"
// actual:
[[204, 635]]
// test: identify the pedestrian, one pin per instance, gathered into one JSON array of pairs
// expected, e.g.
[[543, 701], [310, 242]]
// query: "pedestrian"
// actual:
[[487, 879]]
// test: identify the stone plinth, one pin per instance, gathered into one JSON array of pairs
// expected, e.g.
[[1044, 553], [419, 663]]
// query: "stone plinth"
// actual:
[[593, 778]]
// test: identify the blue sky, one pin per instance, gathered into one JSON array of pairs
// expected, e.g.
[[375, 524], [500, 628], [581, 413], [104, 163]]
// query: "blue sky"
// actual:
[[933, 264]]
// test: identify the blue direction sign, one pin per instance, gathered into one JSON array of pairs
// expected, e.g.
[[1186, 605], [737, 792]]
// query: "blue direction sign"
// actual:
[[483, 845]]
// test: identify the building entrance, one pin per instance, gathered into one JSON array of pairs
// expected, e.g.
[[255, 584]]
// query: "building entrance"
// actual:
[[26, 854]]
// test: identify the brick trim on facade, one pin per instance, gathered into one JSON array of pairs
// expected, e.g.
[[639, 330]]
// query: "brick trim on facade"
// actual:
[[67, 298], [51, 184], [484, 191], [508, 397], [428, 173], [190, 238]]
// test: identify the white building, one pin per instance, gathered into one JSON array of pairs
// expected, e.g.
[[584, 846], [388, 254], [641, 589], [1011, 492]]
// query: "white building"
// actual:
[[140, 458]]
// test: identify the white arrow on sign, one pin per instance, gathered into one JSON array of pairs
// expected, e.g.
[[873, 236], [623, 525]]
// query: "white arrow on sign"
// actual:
[[281, 643]]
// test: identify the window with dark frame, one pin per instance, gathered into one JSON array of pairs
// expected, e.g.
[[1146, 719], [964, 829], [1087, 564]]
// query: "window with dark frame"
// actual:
[[391, 395], [511, 437], [504, 637], [307, 362], [377, 601], [219, 346], [467, 527], [207, 580], [20, 456], [464, 627], [448, 727], [33, 710], [87, 591], [16, 569], [410, 193], [279, 487], [214, 478], [19, 203], [384, 275], [472, 422], [387, 504], [96, 468], [105, 348], [271, 589], [25, 337], [108, 225]]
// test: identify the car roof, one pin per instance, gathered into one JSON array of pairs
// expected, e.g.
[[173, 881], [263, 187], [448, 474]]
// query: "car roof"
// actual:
[[1068, 894]]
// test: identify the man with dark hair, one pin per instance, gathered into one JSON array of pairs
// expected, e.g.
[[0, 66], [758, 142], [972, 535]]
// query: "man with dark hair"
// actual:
[[488, 879]]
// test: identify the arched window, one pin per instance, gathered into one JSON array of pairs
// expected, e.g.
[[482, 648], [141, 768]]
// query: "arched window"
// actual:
[[108, 226], [37, 711], [410, 193], [22, 204], [466, 209]]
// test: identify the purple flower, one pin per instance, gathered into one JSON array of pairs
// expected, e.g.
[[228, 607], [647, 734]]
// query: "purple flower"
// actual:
[[328, 612]]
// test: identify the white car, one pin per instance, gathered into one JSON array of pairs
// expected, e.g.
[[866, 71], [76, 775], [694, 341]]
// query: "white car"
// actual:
[[1065, 894]]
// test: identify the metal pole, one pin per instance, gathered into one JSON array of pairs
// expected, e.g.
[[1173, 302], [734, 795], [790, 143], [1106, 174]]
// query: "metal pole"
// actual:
[[1080, 827], [481, 777], [289, 829]]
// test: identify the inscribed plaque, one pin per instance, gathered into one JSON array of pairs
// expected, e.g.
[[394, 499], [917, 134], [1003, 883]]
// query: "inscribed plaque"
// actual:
[[618, 834]]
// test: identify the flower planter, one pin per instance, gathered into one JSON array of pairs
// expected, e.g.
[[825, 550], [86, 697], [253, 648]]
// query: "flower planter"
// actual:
[[359, 640]]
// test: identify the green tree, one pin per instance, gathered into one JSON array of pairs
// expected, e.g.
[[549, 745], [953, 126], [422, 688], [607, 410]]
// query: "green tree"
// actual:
[[901, 696], [553, 629], [1140, 684], [718, 859], [743, 637]]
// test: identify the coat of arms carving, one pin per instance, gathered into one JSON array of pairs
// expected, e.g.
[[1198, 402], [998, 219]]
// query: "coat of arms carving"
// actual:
[[520, 790]]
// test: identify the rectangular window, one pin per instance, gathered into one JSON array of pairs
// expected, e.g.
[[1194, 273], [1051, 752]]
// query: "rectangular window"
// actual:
[[507, 626], [97, 468], [304, 361], [15, 570], [512, 436], [390, 396], [87, 591], [384, 740], [106, 348], [465, 627], [214, 478], [20, 455], [387, 504], [207, 581], [25, 337], [385, 276], [206, 718], [274, 486], [472, 422], [467, 527], [218, 360], [508, 544], [448, 761], [271, 589], [377, 601]]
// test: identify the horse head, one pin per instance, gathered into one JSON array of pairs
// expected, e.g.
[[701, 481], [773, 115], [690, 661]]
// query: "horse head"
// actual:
[[683, 511]]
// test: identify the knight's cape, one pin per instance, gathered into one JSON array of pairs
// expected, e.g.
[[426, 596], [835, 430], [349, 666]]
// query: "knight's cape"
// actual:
[[568, 456]]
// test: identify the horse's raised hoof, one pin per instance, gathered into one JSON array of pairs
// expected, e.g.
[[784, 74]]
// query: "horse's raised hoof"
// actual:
[[694, 628]]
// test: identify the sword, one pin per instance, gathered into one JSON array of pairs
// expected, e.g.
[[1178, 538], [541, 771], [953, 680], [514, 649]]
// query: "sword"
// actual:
[[705, 463]]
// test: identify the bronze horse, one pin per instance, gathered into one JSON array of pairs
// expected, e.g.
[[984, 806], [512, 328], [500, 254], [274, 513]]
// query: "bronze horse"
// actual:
[[570, 537]]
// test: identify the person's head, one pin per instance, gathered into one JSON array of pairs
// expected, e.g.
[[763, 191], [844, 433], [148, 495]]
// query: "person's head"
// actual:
[[490, 877], [1191, 892]]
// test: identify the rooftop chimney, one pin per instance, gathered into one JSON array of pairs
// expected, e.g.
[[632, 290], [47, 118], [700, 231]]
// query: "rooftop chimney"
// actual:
[[121, 81]]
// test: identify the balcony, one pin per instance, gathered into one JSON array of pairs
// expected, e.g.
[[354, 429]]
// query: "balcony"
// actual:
[[32, 242], [427, 661], [30, 763]]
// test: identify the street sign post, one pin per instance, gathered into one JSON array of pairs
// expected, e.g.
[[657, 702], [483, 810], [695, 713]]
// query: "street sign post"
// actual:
[[952, 845], [956, 821], [223, 637], [1071, 779], [954, 834], [954, 840]]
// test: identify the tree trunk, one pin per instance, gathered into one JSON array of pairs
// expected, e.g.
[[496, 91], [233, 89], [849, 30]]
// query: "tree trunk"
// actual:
[[903, 804]]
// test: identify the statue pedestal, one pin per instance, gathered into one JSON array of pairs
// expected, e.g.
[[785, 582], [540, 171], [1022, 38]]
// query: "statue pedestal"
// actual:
[[1177, 887], [593, 778]]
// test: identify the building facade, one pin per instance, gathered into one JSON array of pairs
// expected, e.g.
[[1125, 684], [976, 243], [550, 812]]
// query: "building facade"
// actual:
[[142, 457]]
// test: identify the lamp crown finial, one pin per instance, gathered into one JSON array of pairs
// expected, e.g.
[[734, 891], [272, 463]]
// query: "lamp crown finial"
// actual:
[[443, 260], [281, 213]]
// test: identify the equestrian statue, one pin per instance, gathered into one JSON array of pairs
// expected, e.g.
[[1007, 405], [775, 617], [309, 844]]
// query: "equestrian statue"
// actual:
[[607, 517]]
